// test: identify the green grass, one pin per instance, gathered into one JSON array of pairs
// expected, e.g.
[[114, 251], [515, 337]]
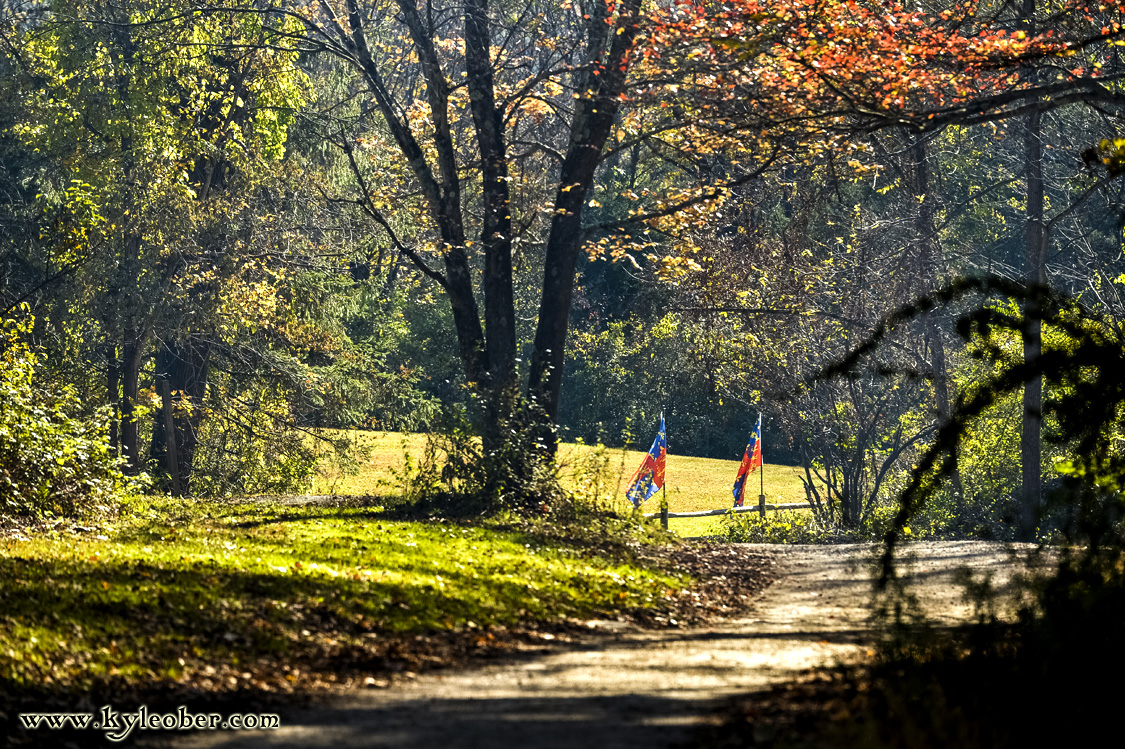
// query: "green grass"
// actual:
[[181, 589], [693, 484]]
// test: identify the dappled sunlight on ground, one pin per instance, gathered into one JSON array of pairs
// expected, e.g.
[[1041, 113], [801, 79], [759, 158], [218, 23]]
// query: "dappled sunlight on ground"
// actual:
[[625, 687]]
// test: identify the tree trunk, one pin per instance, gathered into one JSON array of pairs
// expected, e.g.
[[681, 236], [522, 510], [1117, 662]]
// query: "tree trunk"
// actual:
[[501, 380], [488, 351], [441, 190], [848, 516], [133, 357], [184, 368], [113, 396], [930, 260], [1035, 277], [590, 128], [172, 457]]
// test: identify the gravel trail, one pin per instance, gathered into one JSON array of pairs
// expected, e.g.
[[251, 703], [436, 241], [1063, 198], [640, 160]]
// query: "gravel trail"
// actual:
[[625, 687]]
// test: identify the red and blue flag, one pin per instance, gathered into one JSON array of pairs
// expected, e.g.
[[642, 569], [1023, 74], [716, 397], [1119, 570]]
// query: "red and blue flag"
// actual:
[[751, 459], [649, 478]]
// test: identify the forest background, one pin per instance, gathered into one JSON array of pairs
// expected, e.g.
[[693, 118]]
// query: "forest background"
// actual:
[[251, 226]]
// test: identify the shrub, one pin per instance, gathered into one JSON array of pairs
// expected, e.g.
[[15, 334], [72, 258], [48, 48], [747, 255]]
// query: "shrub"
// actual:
[[460, 475], [52, 459], [249, 443], [785, 527]]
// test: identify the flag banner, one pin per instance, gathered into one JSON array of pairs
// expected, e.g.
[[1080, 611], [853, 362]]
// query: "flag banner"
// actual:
[[649, 478], [751, 459]]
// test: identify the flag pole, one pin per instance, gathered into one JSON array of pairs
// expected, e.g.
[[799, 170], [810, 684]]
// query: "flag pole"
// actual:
[[664, 487], [761, 441], [761, 471]]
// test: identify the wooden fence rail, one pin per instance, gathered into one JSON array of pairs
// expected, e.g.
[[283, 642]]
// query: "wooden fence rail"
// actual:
[[760, 508], [752, 508]]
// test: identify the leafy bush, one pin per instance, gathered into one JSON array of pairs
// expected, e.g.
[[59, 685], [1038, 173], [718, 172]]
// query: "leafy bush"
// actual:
[[248, 444], [1084, 410], [1038, 679], [460, 475], [784, 527], [52, 460]]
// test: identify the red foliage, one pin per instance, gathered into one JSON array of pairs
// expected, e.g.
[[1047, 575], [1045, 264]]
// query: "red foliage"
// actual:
[[825, 59]]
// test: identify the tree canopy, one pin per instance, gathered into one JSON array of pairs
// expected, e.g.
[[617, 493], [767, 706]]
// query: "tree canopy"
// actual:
[[236, 222]]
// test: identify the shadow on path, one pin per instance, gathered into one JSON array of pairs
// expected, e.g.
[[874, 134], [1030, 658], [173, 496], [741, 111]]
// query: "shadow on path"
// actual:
[[538, 722], [627, 688]]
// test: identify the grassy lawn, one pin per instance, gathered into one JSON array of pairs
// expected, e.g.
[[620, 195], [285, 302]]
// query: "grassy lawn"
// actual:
[[233, 595], [184, 600], [692, 483]]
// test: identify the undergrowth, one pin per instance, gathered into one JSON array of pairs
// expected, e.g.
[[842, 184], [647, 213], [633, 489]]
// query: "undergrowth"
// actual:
[[54, 458], [785, 527]]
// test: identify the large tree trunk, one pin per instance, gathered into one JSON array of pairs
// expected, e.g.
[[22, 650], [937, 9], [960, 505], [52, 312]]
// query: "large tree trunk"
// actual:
[[441, 188], [488, 351], [501, 379], [135, 332], [590, 129], [132, 359], [184, 367], [1035, 276]]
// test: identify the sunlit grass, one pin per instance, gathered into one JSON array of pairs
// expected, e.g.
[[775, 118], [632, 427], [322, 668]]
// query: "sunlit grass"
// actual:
[[177, 589], [693, 484], [182, 587]]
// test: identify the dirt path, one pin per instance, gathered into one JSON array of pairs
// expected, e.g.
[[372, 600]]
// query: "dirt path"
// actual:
[[622, 687]]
